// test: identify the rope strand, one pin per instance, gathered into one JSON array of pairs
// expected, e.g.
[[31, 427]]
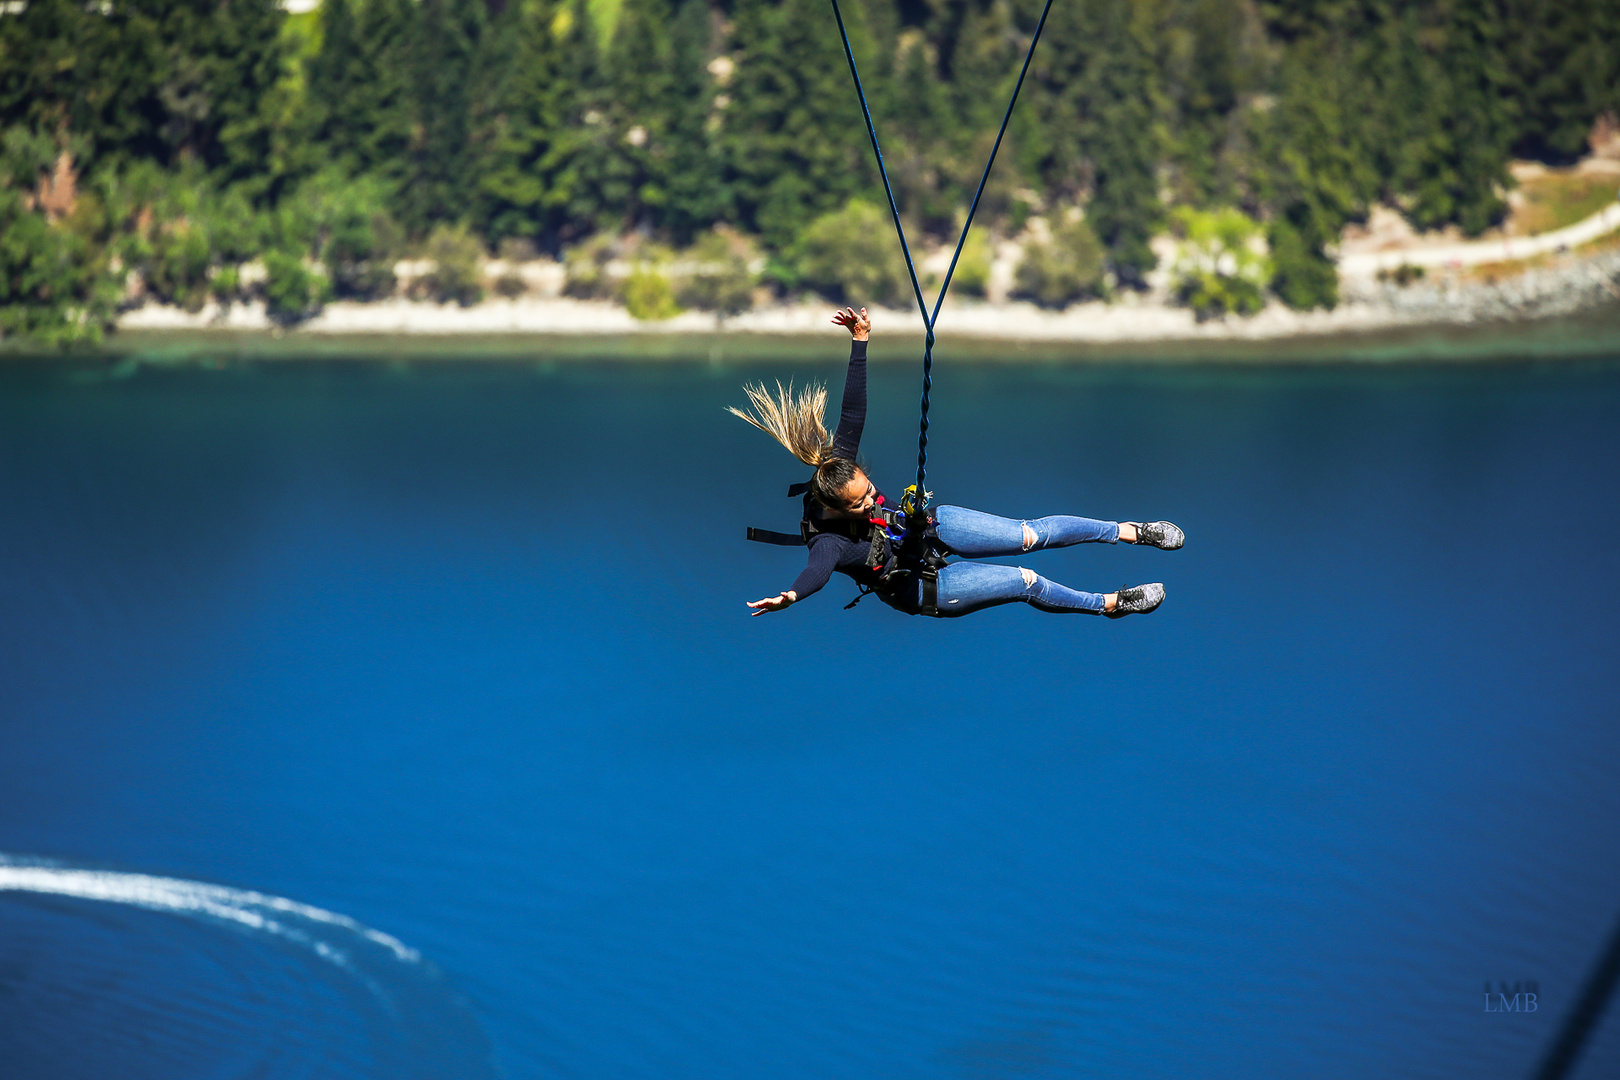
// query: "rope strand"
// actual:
[[877, 151], [929, 320]]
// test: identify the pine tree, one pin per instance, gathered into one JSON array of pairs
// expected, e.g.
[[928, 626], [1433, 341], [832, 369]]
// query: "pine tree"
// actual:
[[696, 195], [335, 77], [1564, 70], [586, 98], [379, 96], [1124, 210], [1093, 128], [529, 135], [792, 139], [1320, 177], [627, 161], [437, 178]]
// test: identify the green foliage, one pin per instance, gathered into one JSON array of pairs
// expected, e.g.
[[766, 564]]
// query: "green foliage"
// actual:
[[292, 291], [636, 122], [1303, 277], [972, 277], [1562, 70], [530, 138], [457, 266], [169, 80], [585, 267], [1209, 73], [177, 269], [1090, 128], [55, 288], [176, 231], [850, 256], [1403, 275], [648, 294], [719, 274], [359, 97], [227, 284], [1068, 268], [344, 224], [790, 138], [444, 82], [209, 132], [1220, 268]]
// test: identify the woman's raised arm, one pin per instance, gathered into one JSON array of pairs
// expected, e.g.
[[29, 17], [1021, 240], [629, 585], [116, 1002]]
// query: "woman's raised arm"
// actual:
[[852, 416]]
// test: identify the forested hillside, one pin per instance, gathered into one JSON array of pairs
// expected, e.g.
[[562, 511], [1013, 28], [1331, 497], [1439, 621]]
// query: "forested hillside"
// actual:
[[224, 148]]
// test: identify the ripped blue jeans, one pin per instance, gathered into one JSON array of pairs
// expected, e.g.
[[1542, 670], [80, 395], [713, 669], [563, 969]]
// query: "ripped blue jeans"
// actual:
[[966, 587]]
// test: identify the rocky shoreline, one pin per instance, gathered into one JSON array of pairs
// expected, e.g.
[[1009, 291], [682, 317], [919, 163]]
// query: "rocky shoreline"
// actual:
[[1570, 284]]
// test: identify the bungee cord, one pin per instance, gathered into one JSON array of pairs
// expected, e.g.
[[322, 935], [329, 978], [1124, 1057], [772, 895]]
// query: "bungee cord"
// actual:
[[919, 496]]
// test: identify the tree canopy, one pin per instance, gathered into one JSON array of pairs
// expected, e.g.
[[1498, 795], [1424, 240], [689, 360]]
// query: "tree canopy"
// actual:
[[548, 121]]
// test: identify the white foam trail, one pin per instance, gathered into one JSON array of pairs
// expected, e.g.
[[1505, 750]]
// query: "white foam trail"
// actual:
[[251, 909]]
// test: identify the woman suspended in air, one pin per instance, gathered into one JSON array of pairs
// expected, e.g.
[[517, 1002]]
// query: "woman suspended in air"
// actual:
[[850, 527]]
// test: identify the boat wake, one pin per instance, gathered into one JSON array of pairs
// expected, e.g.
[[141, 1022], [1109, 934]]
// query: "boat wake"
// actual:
[[110, 973]]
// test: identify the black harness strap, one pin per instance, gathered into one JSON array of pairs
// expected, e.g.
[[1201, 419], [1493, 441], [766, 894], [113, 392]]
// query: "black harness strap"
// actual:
[[930, 592], [766, 536]]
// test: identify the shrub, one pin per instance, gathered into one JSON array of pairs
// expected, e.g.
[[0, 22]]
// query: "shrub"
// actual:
[[1219, 269], [1067, 269], [360, 252], [585, 269], [1403, 275], [511, 285], [972, 277], [292, 292], [648, 294], [179, 232], [177, 269], [344, 223], [850, 256], [227, 284], [55, 288], [719, 275], [1302, 275], [457, 257]]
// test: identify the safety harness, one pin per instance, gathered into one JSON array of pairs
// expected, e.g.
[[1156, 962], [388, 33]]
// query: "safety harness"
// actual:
[[913, 553]]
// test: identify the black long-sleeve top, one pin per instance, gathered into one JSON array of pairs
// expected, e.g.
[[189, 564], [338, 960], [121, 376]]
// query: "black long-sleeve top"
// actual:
[[830, 551]]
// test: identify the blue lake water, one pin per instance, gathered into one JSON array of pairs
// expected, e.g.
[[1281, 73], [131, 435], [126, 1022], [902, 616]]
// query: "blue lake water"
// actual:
[[299, 660]]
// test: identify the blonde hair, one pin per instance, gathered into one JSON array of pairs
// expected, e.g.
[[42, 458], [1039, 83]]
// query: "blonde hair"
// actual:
[[794, 420]]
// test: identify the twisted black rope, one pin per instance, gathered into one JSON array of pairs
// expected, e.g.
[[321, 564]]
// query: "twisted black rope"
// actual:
[[905, 249]]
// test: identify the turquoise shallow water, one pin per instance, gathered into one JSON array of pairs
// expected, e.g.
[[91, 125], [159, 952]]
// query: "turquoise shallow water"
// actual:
[[457, 654]]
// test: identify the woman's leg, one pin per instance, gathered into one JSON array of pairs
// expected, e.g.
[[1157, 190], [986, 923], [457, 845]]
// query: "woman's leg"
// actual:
[[966, 587], [975, 535]]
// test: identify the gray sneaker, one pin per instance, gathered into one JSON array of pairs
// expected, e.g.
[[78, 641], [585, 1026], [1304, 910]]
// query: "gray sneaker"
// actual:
[[1137, 600], [1159, 534]]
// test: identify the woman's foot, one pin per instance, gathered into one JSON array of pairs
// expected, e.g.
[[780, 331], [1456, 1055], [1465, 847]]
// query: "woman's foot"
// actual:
[[1159, 534], [1136, 600]]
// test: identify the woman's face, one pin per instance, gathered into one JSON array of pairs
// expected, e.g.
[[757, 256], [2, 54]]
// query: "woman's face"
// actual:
[[858, 496]]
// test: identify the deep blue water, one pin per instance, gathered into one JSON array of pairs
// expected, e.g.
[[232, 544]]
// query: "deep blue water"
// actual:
[[458, 652]]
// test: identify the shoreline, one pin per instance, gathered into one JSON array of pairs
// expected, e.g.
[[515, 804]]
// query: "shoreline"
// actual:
[[1564, 287], [1550, 285], [1586, 334], [1561, 305]]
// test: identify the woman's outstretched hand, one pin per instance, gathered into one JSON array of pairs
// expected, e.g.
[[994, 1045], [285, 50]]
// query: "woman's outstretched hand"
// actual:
[[773, 603], [860, 327]]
